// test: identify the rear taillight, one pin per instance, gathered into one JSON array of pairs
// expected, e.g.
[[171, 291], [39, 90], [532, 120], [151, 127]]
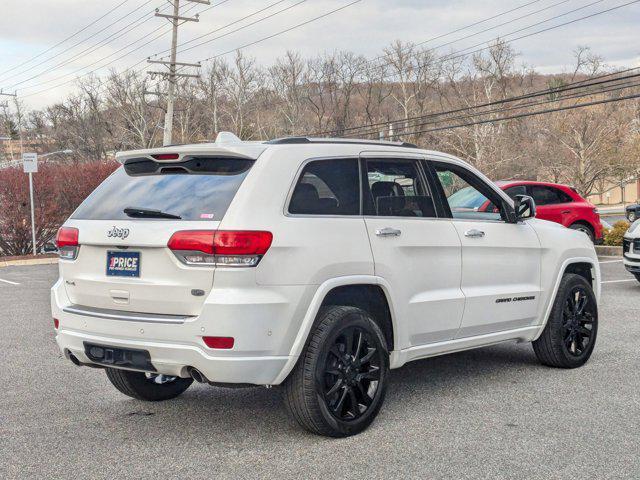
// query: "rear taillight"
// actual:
[[67, 242], [220, 247], [56, 323]]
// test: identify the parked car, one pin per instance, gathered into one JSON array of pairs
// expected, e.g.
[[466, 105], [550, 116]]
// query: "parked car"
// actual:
[[554, 202], [632, 212], [631, 249], [315, 264]]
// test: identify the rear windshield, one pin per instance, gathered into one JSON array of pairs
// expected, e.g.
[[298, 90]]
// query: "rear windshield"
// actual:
[[196, 189]]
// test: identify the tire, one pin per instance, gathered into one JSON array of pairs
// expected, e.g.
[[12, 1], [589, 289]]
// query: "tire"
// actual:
[[631, 216], [637, 277], [570, 334], [581, 227], [141, 386], [336, 390]]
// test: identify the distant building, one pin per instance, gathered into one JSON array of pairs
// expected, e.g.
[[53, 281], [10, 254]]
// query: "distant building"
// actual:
[[616, 193]]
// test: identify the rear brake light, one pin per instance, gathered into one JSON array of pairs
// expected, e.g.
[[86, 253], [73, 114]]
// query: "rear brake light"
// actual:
[[220, 247], [166, 156], [67, 242], [56, 323], [219, 342], [67, 237]]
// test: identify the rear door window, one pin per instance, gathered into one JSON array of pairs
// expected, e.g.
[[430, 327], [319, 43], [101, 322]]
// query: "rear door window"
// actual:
[[200, 188], [396, 188], [327, 187]]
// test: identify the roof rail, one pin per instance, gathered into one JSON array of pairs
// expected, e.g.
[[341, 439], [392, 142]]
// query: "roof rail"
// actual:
[[303, 140]]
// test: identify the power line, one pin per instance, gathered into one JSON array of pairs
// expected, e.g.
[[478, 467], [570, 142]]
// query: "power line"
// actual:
[[460, 54], [145, 37], [108, 39], [528, 114], [436, 117], [548, 91], [221, 28], [67, 38], [281, 32], [481, 31]]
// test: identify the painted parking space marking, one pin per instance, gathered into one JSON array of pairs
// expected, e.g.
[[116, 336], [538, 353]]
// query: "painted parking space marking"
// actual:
[[610, 261], [620, 281], [9, 282]]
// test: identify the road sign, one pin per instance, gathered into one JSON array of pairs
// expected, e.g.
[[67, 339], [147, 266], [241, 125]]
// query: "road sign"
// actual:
[[30, 162]]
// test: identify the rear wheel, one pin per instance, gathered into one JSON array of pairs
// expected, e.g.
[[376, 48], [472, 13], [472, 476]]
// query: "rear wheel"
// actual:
[[637, 277], [147, 386], [338, 385], [570, 334], [587, 230]]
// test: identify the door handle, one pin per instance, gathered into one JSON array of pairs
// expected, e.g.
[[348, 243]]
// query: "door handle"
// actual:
[[473, 233], [388, 232]]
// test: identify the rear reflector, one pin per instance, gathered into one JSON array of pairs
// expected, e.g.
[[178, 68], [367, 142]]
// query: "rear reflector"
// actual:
[[221, 247], [223, 343], [56, 323], [166, 156], [67, 237]]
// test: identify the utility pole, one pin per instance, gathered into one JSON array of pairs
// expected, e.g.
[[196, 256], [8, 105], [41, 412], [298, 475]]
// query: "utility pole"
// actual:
[[176, 20]]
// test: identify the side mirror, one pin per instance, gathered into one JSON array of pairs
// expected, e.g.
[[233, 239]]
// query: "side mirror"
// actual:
[[525, 207]]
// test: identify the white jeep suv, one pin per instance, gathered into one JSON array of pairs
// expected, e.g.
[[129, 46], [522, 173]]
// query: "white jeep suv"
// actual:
[[317, 264]]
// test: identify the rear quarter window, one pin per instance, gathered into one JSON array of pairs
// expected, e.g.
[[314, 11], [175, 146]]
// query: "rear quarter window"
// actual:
[[200, 188]]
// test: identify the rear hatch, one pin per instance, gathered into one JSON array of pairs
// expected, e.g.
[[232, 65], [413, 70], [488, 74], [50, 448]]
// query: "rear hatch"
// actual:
[[123, 261]]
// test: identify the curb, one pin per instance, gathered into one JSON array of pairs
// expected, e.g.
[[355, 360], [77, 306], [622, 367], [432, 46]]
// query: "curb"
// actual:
[[606, 251], [28, 261]]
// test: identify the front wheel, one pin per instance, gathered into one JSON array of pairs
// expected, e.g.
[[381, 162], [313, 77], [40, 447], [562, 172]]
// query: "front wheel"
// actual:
[[570, 334], [631, 216], [151, 387], [637, 276], [338, 385]]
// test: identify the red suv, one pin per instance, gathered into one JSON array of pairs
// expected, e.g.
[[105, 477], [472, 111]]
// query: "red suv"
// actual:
[[556, 203], [560, 204]]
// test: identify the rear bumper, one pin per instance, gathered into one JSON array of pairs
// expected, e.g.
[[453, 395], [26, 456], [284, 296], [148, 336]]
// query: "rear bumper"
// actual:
[[262, 322], [174, 359]]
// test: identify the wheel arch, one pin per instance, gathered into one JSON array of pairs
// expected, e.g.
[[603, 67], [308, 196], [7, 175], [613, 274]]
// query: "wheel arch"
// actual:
[[586, 267], [359, 291]]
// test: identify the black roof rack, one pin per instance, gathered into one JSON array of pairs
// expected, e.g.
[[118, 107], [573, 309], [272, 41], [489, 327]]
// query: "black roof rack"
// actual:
[[303, 140]]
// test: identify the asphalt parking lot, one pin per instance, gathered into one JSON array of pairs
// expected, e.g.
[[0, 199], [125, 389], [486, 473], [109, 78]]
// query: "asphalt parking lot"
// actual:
[[488, 413]]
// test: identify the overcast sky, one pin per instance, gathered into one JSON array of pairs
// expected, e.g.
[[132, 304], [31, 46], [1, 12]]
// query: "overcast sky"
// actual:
[[30, 27]]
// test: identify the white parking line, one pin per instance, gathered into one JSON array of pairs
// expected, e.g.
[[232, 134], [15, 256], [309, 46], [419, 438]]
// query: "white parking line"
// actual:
[[610, 261], [619, 281], [9, 282]]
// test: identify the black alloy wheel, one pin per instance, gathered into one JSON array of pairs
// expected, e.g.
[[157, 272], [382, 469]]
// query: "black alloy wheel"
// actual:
[[339, 383], [351, 373], [578, 317], [569, 336]]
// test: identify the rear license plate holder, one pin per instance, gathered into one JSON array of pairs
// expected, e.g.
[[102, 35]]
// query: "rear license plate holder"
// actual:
[[123, 264], [119, 357]]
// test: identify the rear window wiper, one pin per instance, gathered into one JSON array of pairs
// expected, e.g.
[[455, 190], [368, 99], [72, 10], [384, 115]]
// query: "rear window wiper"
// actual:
[[137, 212]]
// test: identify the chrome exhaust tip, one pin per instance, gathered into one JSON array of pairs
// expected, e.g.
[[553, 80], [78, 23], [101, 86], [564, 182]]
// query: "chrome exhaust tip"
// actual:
[[197, 375]]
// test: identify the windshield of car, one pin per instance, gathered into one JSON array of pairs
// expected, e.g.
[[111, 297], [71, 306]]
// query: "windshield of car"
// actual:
[[198, 189]]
